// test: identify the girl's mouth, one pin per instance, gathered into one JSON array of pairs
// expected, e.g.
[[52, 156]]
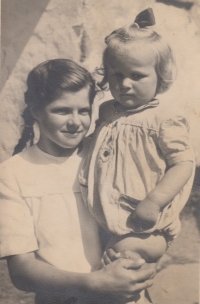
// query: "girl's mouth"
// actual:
[[72, 133]]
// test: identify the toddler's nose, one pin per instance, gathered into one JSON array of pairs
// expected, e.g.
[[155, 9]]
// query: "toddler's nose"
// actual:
[[126, 82]]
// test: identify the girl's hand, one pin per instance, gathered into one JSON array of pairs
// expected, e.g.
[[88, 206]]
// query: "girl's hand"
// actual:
[[120, 282], [146, 214]]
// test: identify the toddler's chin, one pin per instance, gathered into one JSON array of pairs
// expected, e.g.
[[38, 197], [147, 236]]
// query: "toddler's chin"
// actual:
[[128, 104]]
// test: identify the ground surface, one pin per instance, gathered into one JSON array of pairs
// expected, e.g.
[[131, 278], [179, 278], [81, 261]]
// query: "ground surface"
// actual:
[[177, 280]]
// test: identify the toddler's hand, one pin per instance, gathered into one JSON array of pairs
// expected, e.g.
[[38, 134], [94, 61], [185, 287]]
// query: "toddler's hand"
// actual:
[[146, 214]]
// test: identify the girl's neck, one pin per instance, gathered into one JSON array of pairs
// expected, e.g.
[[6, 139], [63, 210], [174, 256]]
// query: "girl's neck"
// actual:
[[58, 151]]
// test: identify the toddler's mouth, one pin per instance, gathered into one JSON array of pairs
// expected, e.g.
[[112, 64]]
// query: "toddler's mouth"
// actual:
[[126, 95]]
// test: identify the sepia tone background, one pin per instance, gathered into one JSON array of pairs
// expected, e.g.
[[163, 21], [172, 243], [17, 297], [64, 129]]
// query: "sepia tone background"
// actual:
[[37, 30]]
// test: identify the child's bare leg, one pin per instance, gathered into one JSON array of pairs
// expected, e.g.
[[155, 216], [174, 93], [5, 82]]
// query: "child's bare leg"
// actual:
[[150, 247]]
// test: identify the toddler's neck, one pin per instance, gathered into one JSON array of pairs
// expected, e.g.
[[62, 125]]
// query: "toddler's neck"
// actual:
[[120, 108]]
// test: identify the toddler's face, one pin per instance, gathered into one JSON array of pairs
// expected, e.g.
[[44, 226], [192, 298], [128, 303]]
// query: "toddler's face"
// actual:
[[64, 122], [131, 75]]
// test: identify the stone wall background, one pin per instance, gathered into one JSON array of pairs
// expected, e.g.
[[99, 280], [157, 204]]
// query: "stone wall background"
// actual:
[[37, 30]]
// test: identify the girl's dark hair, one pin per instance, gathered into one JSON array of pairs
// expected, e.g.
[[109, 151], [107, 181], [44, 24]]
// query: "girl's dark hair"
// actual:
[[46, 83], [120, 40]]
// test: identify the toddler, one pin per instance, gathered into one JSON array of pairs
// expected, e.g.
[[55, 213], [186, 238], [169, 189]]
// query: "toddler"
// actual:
[[138, 172]]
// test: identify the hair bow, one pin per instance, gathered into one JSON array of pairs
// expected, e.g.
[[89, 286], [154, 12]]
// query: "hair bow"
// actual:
[[145, 18]]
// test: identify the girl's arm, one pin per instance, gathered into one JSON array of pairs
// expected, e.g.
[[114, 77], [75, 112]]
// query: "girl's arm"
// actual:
[[168, 187], [117, 279]]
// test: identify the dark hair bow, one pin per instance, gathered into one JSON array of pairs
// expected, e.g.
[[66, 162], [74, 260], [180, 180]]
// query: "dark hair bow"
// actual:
[[145, 18]]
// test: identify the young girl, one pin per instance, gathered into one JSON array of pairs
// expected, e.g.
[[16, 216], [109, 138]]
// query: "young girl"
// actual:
[[139, 170], [47, 234]]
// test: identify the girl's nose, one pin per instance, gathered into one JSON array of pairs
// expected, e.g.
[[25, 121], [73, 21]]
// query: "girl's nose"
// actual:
[[74, 120]]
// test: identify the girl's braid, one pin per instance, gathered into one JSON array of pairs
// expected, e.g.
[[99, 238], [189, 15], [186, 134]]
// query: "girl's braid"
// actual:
[[28, 132]]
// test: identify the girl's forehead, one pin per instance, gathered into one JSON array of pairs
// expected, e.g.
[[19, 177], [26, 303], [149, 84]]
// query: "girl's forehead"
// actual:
[[72, 99]]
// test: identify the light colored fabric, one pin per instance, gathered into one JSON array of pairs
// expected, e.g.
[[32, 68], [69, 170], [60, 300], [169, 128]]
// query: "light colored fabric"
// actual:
[[41, 210], [129, 154]]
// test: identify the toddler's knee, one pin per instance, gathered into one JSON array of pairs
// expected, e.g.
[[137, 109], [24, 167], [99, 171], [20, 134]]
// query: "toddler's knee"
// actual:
[[150, 247]]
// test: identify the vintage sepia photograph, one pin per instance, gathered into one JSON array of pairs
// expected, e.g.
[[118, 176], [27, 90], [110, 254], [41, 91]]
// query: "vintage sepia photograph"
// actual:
[[100, 152]]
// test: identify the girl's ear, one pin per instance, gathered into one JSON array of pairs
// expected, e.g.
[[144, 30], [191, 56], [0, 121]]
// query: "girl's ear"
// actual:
[[34, 113]]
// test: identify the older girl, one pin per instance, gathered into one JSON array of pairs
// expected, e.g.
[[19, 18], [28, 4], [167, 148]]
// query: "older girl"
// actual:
[[47, 234]]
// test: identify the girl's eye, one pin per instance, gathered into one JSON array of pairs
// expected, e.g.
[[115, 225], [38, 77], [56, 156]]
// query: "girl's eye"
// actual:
[[64, 112], [61, 111], [85, 112]]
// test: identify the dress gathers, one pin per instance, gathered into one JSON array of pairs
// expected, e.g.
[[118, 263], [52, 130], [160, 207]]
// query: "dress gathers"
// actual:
[[129, 154]]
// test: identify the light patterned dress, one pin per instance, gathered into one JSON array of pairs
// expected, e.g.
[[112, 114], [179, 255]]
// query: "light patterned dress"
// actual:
[[129, 154]]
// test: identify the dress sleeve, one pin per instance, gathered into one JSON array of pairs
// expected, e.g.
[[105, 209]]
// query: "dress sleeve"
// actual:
[[174, 140], [16, 223]]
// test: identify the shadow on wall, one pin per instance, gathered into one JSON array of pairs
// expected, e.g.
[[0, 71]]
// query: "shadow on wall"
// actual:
[[179, 3], [16, 14]]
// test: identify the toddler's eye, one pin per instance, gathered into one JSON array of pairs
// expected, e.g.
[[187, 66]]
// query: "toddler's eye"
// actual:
[[136, 76], [118, 75]]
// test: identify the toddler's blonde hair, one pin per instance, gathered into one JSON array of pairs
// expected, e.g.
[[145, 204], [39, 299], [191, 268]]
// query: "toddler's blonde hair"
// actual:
[[122, 38]]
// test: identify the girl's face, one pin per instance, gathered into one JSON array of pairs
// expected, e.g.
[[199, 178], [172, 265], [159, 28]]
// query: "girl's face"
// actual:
[[131, 75], [64, 122]]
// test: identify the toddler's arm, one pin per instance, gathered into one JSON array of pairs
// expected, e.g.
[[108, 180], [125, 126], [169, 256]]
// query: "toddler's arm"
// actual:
[[170, 185], [117, 279]]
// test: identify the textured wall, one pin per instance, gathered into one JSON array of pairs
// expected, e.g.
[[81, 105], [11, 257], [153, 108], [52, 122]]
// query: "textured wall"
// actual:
[[76, 29], [18, 19]]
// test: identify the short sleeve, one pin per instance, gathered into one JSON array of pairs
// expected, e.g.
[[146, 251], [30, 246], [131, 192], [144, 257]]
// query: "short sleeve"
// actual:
[[16, 223], [174, 140]]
